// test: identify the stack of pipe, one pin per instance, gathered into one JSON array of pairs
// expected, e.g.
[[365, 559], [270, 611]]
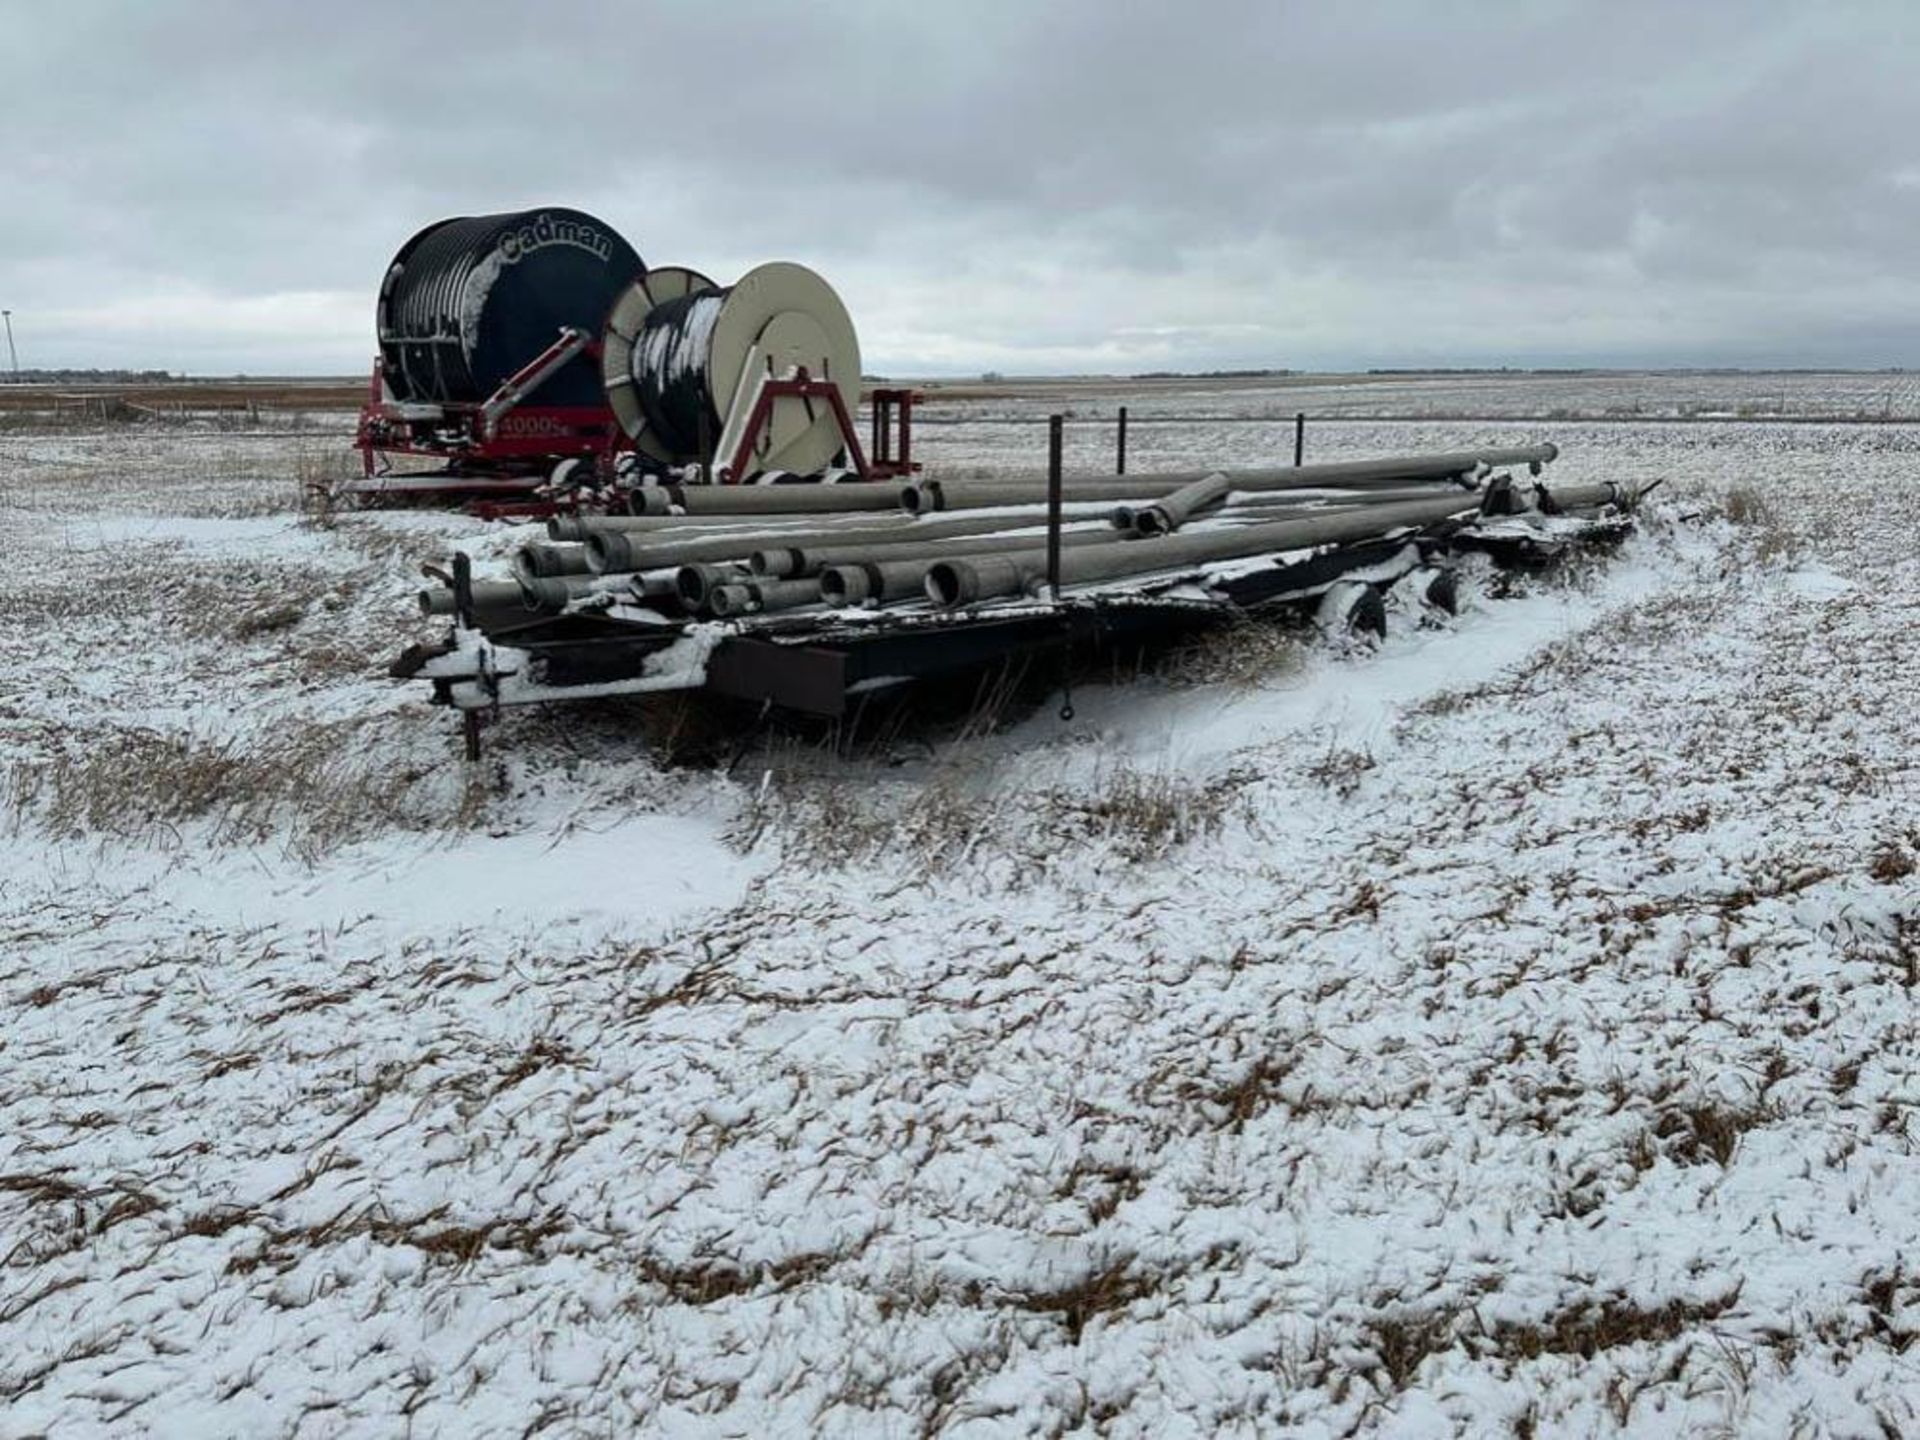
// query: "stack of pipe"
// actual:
[[747, 549]]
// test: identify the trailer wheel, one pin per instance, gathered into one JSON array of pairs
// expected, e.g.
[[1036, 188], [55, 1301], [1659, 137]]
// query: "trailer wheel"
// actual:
[[1354, 609]]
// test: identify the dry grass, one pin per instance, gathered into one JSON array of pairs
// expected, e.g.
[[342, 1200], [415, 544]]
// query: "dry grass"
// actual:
[[825, 813], [1251, 651], [1107, 1290], [834, 820], [1775, 541], [1142, 814], [322, 473], [320, 787], [1590, 1328], [1694, 1134], [443, 1243], [49, 414]]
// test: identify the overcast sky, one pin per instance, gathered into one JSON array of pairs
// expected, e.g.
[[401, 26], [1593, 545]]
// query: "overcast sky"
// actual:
[[1050, 186]]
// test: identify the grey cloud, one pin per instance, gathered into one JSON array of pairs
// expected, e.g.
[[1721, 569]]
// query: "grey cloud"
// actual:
[[1006, 185]]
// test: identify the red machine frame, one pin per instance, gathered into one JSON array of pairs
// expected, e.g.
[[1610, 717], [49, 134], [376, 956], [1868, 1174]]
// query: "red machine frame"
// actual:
[[883, 464], [512, 446], [498, 431]]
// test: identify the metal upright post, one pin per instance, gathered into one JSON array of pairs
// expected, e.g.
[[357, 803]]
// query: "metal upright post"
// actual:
[[1055, 427], [1120, 460], [463, 619], [1299, 437], [13, 355]]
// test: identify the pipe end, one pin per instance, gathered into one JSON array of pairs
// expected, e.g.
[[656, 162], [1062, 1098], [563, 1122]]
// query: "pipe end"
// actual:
[[1151, 521], [731, 600], [778, 564], [951, 583], [607, 552], [695, 584], [846, 585]]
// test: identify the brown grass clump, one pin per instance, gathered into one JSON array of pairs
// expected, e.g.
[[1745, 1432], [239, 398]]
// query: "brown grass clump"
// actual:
[[1774, 540], [449, 1244], [323, 785], [1892, 863], [322, 475], [1403, 1343], [1104, 1291], [703, 1281], [1587, 1329], [1143, 814], [838, 820], [1693, 1134], [1247, 653]]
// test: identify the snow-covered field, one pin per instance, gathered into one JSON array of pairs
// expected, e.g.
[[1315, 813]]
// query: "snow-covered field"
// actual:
[[1508, 1032]]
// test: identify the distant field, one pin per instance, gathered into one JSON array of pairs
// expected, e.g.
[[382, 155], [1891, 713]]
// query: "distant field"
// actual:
[[1858, 396], [189, 395]]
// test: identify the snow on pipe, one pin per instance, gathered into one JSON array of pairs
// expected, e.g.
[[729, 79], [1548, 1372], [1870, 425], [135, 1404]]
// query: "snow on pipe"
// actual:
[[925, 495], [1167, 515], [747, 597], [962, 582], [1247, 504], [1275, 501]]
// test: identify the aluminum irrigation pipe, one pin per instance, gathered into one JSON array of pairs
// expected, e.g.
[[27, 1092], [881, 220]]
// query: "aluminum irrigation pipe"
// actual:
[[620, 550], [989, 537], [880, 582], [487, 595], [923, 495], [696, 584], [782, 553], [1245, 507], [579, 527], [961, 582], [746, 597], [531, 562], [612, 552], [552, 593], [890, 574], [1247, 503], [783, 499], [788, 561], [1169, 513], [1581, 497], [1436, 463]]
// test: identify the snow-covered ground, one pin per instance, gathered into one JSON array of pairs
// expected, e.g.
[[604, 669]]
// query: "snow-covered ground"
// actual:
[[1510, 1031]]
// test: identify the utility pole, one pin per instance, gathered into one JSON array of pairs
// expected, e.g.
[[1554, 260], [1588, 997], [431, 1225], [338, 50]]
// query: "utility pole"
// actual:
[[13, 355]]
